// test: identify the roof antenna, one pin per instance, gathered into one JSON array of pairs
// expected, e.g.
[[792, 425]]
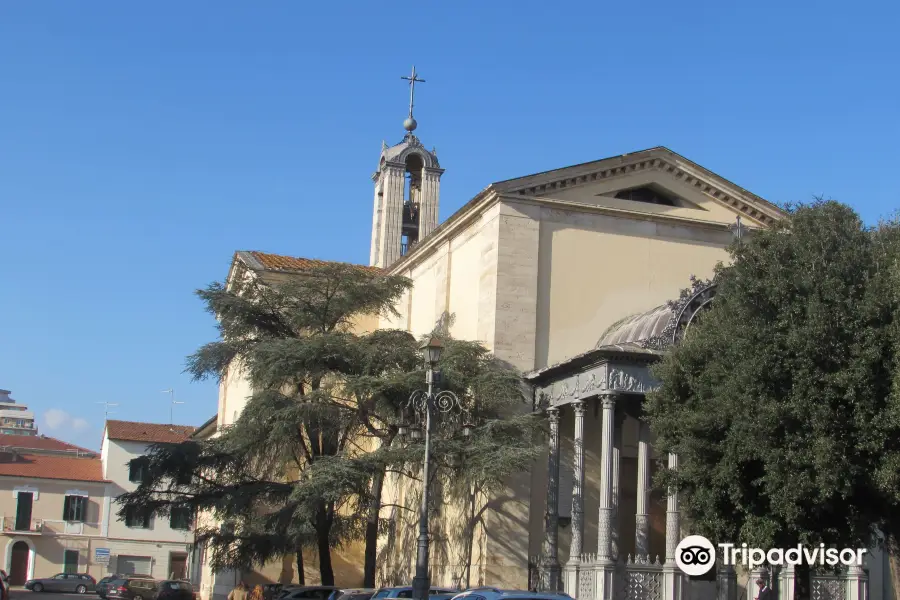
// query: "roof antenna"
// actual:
[[171, 392], [106, 411]]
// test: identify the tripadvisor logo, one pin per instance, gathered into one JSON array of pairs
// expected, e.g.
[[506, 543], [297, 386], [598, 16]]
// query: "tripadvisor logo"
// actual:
[[695, 555]]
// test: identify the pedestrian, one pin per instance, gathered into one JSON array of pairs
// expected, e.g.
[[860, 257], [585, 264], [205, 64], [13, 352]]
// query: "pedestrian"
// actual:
[[239, 592], [765, 592], [258, 593]]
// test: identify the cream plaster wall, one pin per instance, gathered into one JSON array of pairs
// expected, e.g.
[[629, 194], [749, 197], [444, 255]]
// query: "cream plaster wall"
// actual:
[[49, 497], [596, 269], [48, 549]]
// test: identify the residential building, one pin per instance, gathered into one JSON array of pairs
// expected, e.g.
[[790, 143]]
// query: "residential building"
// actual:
[[58, 510], [15, 418], [52, 499], [157, 546]]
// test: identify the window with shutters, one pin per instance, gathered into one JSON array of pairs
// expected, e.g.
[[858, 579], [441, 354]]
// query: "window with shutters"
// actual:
[[137, 518], [139, 470], [180, 518], [75, 508]]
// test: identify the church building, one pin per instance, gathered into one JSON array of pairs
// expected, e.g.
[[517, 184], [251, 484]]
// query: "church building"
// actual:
[[580, 277]]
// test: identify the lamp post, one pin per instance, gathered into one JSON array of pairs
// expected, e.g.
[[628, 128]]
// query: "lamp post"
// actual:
[[426, 405]]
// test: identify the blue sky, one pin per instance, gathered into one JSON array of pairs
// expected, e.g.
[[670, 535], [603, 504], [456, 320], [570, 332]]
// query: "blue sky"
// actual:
[[140, 146]]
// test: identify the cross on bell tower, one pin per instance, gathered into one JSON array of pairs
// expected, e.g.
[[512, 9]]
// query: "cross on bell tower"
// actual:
[[407, 189]]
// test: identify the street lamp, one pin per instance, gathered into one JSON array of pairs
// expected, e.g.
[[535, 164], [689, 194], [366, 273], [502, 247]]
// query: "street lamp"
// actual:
[[424, 406]]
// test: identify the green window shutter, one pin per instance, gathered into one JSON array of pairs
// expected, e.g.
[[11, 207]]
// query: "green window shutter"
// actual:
[[66, 505]]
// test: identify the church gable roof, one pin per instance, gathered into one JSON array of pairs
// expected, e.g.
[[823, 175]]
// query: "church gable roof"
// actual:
[[716, 191]]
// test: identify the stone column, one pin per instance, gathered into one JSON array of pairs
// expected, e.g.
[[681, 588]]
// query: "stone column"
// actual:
[[642, 516], [727, 582], [577, 546], [551, 519], [392, 215], [604, 572], [673, 578], [607, 455], [617, 460], [857, 586], [786, 582]]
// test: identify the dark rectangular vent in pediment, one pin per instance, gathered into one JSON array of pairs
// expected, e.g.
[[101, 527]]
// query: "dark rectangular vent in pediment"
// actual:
[[649, 195]]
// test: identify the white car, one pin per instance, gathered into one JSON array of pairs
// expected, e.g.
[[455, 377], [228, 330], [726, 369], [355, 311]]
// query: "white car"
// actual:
[[489, 593]]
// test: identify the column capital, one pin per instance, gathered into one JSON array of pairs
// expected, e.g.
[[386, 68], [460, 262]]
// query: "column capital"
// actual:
[[553, 414], [608, 400], [579, 406]]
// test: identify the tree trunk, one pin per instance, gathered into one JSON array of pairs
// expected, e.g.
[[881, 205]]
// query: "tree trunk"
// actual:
[[372, 521], [323, 534], [301, 574], [894, 567]]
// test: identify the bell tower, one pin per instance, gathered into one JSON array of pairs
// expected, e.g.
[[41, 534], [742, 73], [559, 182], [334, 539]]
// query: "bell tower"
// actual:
[[407, 189]]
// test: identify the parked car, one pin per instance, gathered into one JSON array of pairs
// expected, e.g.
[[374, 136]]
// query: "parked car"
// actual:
[[352, 594], [4, 585], [307, 592], [490, 593], [79, 583], [271, 591], [406, 592], [131, 588], [171, 589], [103, 584]]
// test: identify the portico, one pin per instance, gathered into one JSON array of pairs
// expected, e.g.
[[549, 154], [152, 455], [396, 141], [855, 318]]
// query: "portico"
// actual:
[[636, 532]]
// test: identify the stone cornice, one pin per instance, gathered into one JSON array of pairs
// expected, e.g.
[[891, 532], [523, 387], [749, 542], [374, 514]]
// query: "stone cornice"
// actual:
[[569, 205], [659, 159]]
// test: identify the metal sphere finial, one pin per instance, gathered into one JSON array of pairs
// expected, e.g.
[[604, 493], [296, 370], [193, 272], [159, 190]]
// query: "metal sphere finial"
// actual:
[[410, 124]]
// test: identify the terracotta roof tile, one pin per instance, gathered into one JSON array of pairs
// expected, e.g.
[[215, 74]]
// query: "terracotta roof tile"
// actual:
[[40, 442], [132, 431], [43, 466], [276, 262]]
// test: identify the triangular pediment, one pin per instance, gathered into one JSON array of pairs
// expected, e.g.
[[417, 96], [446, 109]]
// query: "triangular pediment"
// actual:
[[656, 181]]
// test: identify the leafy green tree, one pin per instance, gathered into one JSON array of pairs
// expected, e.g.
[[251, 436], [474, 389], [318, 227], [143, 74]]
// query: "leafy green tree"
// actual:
[[783, 402]]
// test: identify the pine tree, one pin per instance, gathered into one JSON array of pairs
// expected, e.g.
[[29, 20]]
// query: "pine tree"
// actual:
[[303, 466]]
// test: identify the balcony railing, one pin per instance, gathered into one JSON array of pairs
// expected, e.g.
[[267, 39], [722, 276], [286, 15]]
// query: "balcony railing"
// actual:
[[10, 523], [50, 527], [60, 527]]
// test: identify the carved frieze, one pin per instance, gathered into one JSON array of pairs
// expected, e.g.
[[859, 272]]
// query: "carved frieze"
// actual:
[[628, 378], [576, 386], [606, 377]]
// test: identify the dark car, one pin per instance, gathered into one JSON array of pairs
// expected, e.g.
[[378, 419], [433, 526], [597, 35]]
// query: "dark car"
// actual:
[[171, 589], [131, 588], [271, 591], [80, 583], [103, 584]]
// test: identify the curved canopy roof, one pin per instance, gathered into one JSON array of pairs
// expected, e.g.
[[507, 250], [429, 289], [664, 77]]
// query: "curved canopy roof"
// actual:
[[637, 328]]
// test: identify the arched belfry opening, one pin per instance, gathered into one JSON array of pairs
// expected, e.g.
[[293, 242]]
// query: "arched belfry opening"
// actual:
[[412, 202], [407, 190]]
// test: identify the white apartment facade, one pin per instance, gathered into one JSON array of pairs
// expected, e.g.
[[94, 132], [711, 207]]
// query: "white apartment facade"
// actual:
[[156, 546]]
